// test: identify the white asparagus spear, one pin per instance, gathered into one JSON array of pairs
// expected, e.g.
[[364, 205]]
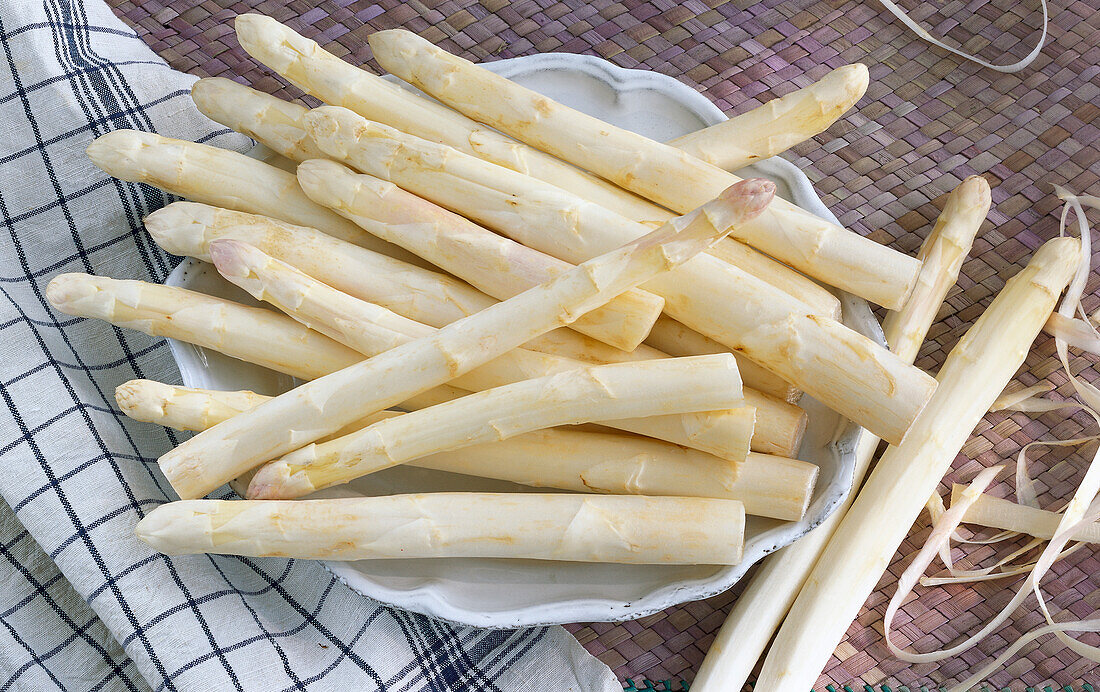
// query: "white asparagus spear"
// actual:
[[491, 263], [186, 228], [672, 337], [562, 458], [226, 179], [974, 375], [254, 335], [370, 330], [322, 406], [1001, 513], [597, 392], [257, 335], [588, 528], [305, 64], [844, 370], [659, 172], [182, 408], [945, 250], [761, 607], [263, 117], [779, 425], [780, 123]]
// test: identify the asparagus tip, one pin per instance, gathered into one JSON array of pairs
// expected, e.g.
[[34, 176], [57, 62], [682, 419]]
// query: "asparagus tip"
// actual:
[[231, 257], [64, 290], [313, 176], [138, 399], [265, 484], [113, 152]]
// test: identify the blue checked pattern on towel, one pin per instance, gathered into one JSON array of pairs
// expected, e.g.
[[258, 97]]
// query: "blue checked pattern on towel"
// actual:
[[83, 604]]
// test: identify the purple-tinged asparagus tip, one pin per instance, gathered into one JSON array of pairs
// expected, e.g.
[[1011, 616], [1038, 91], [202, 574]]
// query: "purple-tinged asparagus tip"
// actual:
[[753, 195], [231, 257]]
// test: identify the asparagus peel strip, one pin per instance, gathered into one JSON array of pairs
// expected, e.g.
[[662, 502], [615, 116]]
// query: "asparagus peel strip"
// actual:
[[779, 124], [323, 406], [317, 72], [491, 263], [561, 458], [597, 392], [1000, 513], [224, 178], [846, 371], [975, 373], [761, 607], [589, 528], [659, 172], [369, 329]]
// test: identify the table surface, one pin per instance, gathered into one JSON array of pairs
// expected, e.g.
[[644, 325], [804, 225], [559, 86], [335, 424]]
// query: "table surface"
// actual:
[[928, 121]]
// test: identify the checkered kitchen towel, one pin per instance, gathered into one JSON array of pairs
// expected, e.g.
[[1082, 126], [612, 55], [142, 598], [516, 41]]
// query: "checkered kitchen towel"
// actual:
[[83, 604]]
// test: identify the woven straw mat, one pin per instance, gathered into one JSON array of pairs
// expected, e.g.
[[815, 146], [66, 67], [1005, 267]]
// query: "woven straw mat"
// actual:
[[927, 122]]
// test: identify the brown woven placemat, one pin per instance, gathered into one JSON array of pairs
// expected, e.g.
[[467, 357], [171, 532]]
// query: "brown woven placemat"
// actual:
[[927, 122]]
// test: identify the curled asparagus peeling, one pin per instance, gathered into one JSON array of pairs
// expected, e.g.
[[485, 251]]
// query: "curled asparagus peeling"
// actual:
[[590, 528], [308, 66], [322, 406], [780, 123], [999, 513], [975, 373], [761, 607], [491, 263], [846, 371], [226, 179], [724, 431], [562, 458], [598, 392], [658, 172]]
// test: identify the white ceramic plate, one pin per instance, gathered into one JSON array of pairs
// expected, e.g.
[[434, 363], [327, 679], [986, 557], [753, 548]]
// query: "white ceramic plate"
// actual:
[[514, 593]]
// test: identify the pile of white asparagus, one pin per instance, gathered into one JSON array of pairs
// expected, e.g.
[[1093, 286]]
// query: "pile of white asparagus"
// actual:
[[494, 284]]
